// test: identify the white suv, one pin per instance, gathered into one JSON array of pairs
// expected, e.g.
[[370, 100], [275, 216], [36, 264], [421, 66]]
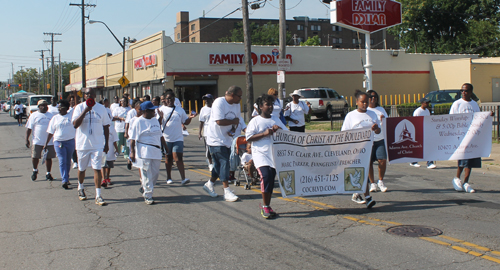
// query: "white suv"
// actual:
[[325, 102], [32, 104]]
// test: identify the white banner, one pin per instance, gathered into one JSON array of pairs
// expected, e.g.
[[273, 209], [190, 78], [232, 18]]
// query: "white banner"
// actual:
[[438, 137], [326, 163]]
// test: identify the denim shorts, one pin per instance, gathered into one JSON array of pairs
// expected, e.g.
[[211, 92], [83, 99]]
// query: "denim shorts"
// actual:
[[175, 147], [470, 163], [220, 160], [378, 151]]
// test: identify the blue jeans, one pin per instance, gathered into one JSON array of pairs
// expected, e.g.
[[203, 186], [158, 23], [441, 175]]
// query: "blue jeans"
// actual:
[[64, 152], [220, 160]]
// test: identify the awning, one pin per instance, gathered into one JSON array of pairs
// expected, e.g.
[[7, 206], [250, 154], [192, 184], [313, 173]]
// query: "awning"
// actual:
[[195, 82], [91, 83]]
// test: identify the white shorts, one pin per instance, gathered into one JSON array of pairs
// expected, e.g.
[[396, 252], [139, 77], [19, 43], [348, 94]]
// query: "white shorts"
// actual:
[[87, 158]]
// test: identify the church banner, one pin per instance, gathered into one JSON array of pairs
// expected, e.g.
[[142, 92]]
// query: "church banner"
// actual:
[[323, 163], [438, 137]]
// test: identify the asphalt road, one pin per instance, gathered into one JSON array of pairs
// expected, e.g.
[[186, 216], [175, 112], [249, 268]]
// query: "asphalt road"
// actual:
[[45, 227]]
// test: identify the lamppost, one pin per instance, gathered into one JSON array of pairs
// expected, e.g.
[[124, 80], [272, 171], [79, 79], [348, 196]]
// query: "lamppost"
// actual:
[[125, 40]]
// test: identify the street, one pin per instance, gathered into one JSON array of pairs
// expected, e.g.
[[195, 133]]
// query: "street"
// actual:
[[46, 227]]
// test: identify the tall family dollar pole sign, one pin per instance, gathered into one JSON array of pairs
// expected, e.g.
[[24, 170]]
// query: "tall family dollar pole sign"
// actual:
[[365, 16]]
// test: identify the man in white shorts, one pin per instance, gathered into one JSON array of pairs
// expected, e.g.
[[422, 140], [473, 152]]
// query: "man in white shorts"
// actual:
[[92, 135]]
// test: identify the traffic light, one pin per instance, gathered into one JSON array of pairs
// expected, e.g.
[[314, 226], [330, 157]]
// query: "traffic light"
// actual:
[[20, 86], [8, 86]]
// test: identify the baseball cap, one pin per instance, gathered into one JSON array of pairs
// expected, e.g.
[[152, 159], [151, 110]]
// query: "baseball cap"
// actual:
[[424, 100], [207, 96], [42, 102], [148, 105]]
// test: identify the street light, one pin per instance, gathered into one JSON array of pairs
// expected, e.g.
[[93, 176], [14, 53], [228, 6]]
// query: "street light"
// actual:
[[125, 40]]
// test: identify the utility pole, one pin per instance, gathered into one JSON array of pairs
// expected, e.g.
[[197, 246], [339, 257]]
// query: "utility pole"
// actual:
[[60, 75], [84, 68], [48, 91], [248, 60], [43, 70], [22, 83], [52, 53], [282, 29]]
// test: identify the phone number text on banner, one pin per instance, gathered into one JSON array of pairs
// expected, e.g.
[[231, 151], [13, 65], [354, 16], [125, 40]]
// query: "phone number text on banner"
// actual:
[[310, 164]]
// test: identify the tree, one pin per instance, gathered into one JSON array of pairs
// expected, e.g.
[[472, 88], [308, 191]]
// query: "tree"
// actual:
[[447, 26], [28, 78], [267, 34], [311, 41]]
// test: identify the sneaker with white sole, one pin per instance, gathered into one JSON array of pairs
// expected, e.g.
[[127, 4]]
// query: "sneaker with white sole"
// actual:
[[416, 165], [81, 195], [457, 184], [169, 181], [431, 166], [100, 201], [229, 196], [373, 187], [149, 201], [75, 165], [357, 198], [209, 188], [370, 202], [381, 186], [468, 188], [185, 181]]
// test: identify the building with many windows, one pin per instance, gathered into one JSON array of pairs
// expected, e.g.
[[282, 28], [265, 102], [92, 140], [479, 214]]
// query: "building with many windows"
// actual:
[[213, 29]]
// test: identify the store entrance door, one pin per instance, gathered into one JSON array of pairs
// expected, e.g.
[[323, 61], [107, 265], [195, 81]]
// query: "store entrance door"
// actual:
[[191, 92]]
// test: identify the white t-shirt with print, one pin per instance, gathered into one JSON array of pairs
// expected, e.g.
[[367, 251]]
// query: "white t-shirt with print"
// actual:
[[90, 134], [146, 133], [38, 123], [62, 127], [221, 109], [277, 106], [172, 130], [53, 109], [296, 112], [113, 106], [18, 109], [421, 112], [356, 119], [113, 136], [262, 154], [241, 126], [379, 111], [122, 113], [130, 114], [204, 117], [462, 106]]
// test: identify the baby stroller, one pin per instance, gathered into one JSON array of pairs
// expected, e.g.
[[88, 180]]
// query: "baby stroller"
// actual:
[[237, 150]]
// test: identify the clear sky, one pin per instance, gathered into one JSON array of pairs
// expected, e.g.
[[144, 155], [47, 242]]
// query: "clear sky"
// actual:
[[23, 23]]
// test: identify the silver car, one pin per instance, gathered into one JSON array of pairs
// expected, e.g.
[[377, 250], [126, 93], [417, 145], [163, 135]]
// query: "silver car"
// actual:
[[325, 102]]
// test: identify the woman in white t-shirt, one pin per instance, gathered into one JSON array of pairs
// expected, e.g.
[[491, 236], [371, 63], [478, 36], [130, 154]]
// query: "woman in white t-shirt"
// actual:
[[378, 150], [423, 111], [295, 112], [362, 118], [63, 131], [259, 132], [204, 117], [113, 149], [119, 116]]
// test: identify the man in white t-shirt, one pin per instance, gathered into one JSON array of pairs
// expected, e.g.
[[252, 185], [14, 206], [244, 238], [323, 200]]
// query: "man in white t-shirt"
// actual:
[[130, 115], [37, 125], [18, 112], [203, 129], [119, 115], [423, 111], [91, 139], [53, 107], [224, 118], [115, 105]]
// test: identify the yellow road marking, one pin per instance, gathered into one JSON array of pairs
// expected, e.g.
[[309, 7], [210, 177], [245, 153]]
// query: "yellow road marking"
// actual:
[[490, 258], [464, 250], [477, 254], [435, 241]]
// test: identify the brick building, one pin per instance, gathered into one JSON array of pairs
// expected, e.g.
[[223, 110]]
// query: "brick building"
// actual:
[[300, 27]]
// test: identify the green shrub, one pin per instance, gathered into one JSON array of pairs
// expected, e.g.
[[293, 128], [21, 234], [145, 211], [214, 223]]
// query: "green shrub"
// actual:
[[407, 109], [442, 108]]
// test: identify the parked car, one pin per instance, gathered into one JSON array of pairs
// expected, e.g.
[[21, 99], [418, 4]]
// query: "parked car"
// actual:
[[32, 104], [325, 102], [447, 96]]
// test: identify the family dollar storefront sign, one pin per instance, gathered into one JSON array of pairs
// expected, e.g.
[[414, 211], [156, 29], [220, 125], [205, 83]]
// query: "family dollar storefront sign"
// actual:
[[310, 164]]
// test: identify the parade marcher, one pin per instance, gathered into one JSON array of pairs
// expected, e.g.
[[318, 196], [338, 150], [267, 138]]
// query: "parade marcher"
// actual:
[[52, 108], [423, 111], [63, 132], [113, 150], [224, 117], [203, 129], [145, 143], [157, 101], [378, 150], [92, 136], [234, 158], [18, 112], [171, 119], [72, 104], [130, 101], [147, 98], [115, 104], [362, 118], [130, 114], [119, 116], [259, 132], [277, 105], [465, 105], [37, 125], [295, 112]]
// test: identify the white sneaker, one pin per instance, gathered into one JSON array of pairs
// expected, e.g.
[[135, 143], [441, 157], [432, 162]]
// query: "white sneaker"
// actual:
[[209, 188], [229, 195], [468, 188], [457, 184], [169, 181], [416, 165], [185, 181], [210, 167], [381, 186], [373, 187], [432, 166], [357, 198], [75, 165]]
